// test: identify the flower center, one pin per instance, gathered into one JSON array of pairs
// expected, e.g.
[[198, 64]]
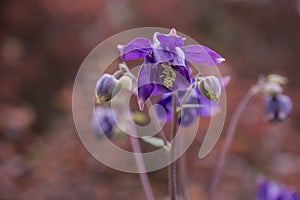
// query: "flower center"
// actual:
[[168, 76]]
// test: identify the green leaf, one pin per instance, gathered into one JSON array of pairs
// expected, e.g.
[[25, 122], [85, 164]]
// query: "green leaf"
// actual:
[[154, 141]]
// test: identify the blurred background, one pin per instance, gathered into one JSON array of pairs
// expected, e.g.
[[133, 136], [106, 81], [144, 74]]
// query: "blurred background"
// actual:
[[43, 43]]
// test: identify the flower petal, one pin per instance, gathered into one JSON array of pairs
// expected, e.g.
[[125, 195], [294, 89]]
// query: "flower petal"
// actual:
[[166, 103], [202, 55], [183, 80], [137, 48], [145, 87], [169, 78], [161, 55], [178, 57], [168, 41]]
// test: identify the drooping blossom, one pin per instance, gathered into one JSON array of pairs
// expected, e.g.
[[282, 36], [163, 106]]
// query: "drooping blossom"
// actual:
[[277, 107], [165, 68]]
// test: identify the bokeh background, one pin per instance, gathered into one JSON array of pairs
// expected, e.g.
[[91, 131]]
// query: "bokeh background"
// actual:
[[42, 44]]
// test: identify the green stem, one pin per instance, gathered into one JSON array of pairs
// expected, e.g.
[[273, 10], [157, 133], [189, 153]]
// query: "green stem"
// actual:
[[141, 166], [183, 174]]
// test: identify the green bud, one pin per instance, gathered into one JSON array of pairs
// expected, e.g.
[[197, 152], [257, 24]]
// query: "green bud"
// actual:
[[210, 88], [126, 82]]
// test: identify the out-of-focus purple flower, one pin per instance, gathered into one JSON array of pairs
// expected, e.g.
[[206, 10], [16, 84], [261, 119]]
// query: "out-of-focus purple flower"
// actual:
[[267, 190], [103, 122], [165, 67], [188, 115], [277, 107], [106, 88]]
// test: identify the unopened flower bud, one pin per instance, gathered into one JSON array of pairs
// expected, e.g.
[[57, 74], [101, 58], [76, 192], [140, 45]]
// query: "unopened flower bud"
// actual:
[[107, 87], [126, 82], [278, 107], [210, 88]]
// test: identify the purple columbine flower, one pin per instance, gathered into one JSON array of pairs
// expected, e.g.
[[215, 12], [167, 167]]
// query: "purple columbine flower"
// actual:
[[165, 66], [103, 122], [268, 190], [277, 107]]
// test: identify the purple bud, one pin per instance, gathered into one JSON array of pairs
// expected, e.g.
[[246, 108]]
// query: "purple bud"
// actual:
[[107, 87], [103, 122], [278, 107]]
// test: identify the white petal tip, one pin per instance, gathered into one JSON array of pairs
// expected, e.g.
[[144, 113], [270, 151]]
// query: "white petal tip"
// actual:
[[221, 59], [141, 104]]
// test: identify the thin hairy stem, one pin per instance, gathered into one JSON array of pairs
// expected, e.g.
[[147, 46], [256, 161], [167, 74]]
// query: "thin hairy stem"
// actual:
[[228, 139], [172, 166], [141, 166], [183, 176]]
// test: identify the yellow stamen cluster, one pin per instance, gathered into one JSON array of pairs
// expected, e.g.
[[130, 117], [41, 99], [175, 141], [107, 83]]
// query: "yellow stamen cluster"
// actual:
[[169, 76]]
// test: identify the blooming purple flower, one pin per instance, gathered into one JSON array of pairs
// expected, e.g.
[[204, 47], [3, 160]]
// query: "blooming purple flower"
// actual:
[[268, 190], [165, 66], [277, 107], [103, 122]]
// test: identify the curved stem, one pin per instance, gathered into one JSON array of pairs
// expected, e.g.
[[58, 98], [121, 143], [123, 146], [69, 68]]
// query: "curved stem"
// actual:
[[228, 138], [141, 166]]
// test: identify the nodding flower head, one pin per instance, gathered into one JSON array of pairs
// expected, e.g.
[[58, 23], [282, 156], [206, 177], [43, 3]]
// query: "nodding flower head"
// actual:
[[107, 87], [165, 67], [103, 122], [277, 107]]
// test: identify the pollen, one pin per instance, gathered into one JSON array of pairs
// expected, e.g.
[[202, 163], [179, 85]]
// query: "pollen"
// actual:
[[168, 76]]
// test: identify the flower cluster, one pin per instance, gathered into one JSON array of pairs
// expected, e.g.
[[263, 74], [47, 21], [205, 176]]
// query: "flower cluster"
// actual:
[[165, 71], [268, 190]]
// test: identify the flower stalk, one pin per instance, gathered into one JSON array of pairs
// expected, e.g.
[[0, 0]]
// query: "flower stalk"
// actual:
[[141, 166], [172, 166], [228, 139]]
